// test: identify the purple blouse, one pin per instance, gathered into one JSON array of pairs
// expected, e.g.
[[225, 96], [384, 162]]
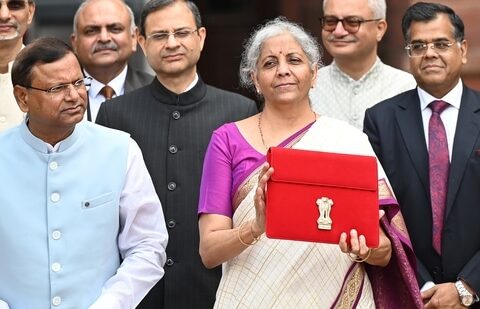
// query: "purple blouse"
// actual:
[[229, 160]]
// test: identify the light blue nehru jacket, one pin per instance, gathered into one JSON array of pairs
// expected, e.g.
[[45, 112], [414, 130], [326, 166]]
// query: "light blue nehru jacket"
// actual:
[[59, 216]]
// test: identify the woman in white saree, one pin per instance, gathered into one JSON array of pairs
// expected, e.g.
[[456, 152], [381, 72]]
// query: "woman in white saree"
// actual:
[[280, 61]]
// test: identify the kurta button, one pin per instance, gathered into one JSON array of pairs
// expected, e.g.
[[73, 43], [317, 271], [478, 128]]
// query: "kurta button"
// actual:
[[56, 267], [170, 262], [173, 149], [171, 186], [55, 197], [3, 119], [171, 224], [56, 301], [53, 165], [56, 235], [176, 115]]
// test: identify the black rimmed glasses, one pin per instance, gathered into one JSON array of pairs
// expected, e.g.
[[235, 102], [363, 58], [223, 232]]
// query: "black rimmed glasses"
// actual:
[[64, 89], [179, 35], [14, 5], [351, 23], [419, 49]]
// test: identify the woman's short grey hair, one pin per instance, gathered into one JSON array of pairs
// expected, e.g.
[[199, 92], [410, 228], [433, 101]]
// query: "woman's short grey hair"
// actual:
[[280, 25], [378, 7]]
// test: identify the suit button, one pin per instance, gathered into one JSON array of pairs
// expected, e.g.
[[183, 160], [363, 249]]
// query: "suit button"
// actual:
[[56, 235], [171, 186], [56, 267], [53, 165], [56, 301], [173, 149], [170, 262], [171, 223], [55, 197], [176, 115]]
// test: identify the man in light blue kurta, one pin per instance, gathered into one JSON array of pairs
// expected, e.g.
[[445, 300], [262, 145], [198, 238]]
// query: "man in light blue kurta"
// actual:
[[81, 225]]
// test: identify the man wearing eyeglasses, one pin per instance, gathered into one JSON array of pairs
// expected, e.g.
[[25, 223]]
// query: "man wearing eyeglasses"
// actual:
[[357, 78], [15, 17], [428, 141], [104, 38], [172, 120], [76, 198]]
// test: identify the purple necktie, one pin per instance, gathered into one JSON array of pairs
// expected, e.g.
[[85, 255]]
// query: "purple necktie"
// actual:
[[438, 170]]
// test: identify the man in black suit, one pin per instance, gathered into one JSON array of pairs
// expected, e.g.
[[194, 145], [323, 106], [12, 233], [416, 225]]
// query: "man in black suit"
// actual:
[[104, 38], [172, 120], [442, 213]]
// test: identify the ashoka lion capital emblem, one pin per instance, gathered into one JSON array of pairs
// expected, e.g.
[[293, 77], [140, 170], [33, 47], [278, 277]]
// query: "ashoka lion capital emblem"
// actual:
[[324, 207]]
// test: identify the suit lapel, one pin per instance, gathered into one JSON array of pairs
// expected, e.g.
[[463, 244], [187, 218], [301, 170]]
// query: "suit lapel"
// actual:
[[466, 133], [409, 120], [129, 81]]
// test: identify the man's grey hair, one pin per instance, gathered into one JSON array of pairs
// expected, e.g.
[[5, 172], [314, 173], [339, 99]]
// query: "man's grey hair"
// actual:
[[84, 4], [253, 46], [378, 7]]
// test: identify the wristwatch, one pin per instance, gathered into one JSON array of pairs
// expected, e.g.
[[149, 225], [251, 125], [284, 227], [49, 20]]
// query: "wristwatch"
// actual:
[[466, 297]]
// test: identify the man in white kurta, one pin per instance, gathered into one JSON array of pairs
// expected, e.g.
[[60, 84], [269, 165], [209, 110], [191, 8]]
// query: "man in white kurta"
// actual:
[[357, 78], [15, 17], [340, 96]]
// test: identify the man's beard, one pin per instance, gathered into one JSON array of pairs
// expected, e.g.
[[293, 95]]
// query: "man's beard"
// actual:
[[12, 36]]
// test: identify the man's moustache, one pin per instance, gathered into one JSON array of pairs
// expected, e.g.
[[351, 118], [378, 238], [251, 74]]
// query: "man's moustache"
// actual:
[[98, 47]]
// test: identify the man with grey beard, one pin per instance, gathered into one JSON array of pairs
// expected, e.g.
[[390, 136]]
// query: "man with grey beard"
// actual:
[[104, 38], [15, 17]]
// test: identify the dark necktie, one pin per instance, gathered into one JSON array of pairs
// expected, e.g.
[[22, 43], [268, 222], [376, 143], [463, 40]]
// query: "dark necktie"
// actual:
[[438, 170], [107, 92]]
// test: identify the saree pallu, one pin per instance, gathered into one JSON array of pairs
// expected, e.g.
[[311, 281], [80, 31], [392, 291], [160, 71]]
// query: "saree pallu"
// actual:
[[292, 274]]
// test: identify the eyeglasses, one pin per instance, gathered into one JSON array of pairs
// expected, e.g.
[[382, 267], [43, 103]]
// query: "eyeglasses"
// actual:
[[420, 49], [14, 5], [81, 84], [351, 24], [179, 35]]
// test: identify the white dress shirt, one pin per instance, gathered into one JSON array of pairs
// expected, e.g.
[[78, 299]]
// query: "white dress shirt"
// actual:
[[95, 98], [449, 116]]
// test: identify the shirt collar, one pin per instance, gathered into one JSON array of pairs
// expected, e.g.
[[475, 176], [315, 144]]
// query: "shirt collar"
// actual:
[[453, 97], [117, 83], [192, 84], [42, 147], [376, 67]]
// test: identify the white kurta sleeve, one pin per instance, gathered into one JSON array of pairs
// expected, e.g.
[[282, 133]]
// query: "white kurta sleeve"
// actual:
[[142, 239]]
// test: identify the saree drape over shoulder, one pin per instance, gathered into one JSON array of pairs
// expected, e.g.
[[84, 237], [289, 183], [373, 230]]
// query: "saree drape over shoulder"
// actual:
[[292, 274]]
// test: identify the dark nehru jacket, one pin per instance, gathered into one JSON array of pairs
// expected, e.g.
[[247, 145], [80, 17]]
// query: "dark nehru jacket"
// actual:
[[173, 132]]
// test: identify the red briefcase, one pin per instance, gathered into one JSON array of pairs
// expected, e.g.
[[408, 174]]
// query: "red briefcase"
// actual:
[[315, 196]]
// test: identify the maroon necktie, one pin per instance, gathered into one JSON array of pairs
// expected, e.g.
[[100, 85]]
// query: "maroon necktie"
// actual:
[[107, 92], [438, 170]]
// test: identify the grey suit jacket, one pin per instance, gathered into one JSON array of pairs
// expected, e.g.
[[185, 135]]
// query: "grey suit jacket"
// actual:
[[136, 79], [395, 130]]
